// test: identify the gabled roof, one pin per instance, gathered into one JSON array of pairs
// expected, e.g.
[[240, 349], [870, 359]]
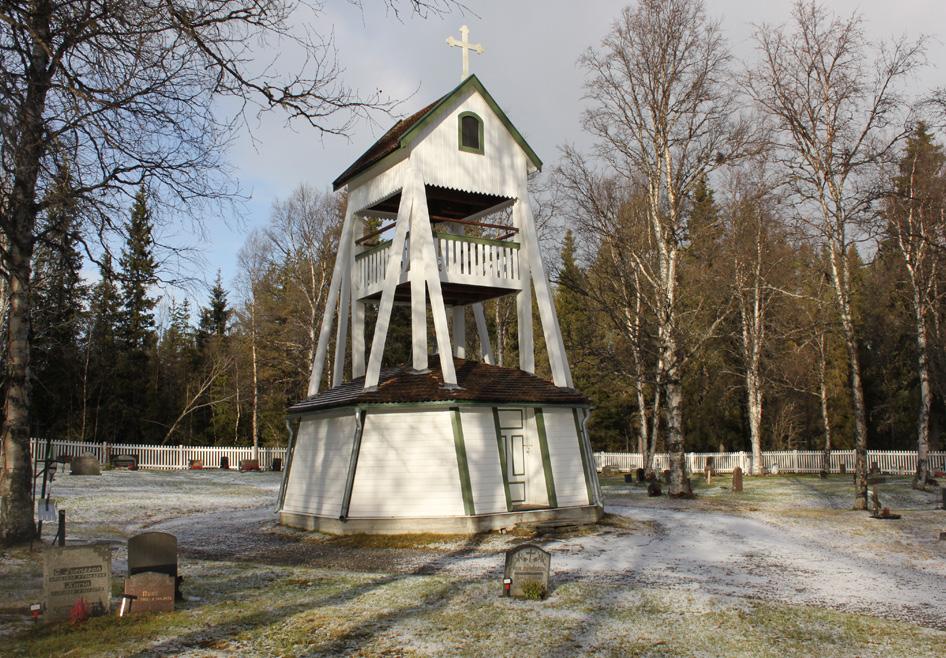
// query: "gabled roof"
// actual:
[[478, 382], [406, 130]]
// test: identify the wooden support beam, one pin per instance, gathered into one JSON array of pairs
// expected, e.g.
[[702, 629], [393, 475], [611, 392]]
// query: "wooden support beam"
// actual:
[[423, 241], [341, 262], [391, 277], [558, 361], [459, 331], [486, 350]]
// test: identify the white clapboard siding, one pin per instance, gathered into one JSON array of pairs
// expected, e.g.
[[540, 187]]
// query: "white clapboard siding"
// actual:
[[498, 170], [320, 466], [482, 456], [536, 488], [407, 467], [570, 487]]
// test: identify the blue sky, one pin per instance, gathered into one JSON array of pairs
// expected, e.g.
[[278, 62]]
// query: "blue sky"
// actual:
[[529, 66]]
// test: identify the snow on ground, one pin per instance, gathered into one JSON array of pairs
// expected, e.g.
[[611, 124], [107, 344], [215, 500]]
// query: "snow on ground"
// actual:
[[719, 560]]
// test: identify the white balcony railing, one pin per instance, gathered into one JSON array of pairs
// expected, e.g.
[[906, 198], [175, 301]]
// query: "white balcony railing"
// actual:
[[461, 259]]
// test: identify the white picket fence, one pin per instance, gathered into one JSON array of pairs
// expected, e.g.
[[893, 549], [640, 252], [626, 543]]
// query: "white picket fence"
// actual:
[[788, 461], [167, 458]]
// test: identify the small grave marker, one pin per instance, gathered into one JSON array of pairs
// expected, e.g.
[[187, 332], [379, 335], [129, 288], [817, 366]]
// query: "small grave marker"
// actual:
[[842, 469], [526, 574], [737, 479], [154, 552], [653, 489], [641, 474], [150, 592], [249, 465], [74, 573], [874, 468], [87, 464], [225, 463], [129, 462], [277, 464]]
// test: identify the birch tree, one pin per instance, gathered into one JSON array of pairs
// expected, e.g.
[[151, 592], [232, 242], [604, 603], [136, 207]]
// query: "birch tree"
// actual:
[[126, 92], [662, 111], [835, 107], [914, 215]]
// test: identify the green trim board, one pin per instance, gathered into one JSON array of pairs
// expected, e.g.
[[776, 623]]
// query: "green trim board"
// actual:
[[466, 486], [290, 451], [360, 415], [500, 444], [479, 128], [546, 457], [374, 249], [584, 458], [436, 404]]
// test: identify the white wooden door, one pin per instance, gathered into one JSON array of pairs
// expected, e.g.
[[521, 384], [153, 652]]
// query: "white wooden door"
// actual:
[[512, 428]]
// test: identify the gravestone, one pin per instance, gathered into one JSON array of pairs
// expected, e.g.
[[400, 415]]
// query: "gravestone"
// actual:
[[874, 468], [152, 592], [737, 479], [527, 572], [823, 474], [628, 478], [249, 465], [225, 463], [774, 469], [842, 468], [277, 464], [653, 489], [666, 476], [154, 551], [640, 473], [609, 471], [86, 464], [195, 464], [71, 573], [129, 462]]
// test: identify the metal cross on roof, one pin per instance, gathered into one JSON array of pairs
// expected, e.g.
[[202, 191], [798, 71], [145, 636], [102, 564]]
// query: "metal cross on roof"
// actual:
[[465, 44]]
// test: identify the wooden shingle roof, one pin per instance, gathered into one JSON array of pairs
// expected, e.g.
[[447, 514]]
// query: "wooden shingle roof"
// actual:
[[478, 382]]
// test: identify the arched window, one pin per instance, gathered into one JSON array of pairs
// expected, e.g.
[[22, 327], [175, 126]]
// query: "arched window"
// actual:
[[471, 133]]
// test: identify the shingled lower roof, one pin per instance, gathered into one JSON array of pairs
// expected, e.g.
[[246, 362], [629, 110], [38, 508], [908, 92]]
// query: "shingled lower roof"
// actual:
[[478, 382]]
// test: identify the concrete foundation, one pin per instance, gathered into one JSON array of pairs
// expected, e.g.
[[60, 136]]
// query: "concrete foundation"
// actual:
[[451, 525]]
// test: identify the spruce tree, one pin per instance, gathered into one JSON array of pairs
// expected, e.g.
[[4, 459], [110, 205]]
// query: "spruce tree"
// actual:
[[101, 408], [137, 336], [57, 315]]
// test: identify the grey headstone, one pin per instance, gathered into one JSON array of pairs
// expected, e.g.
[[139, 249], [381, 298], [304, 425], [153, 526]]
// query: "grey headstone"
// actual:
[[153, 592], [527, 564], [640, 473], [153, 551], [86, 464], [737, 479], [71, 573], [653, 489]]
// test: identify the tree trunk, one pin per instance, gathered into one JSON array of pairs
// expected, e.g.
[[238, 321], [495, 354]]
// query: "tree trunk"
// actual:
[[823, 394], [16, 505], [16, 508], [923, 421], [754, 394], [860, 412]]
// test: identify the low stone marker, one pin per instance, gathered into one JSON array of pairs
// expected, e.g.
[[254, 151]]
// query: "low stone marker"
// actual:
[[773, 469], [154, 552], [225, 463], [71, 573], [842, 469], [628, 478], [277, 464], [195, 464], [87, 464], [526, 574], [249, 465], [874, 468], [653, 489], [152, 592], [129, 462], [737, 479], [640, 474]]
